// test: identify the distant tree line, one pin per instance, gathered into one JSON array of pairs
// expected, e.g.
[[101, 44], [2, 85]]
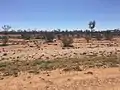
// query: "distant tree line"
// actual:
[[64, 35], [75, 33]]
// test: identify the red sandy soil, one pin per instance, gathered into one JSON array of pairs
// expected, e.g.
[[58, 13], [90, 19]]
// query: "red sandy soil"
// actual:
[[92, 79]]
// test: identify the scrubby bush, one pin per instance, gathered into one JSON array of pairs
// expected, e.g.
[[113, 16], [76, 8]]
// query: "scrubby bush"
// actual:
[[4, 40], [108, 35], [67, 41], [59, 37], [87, 38], [49, 37], [99, 36], [25, 36]]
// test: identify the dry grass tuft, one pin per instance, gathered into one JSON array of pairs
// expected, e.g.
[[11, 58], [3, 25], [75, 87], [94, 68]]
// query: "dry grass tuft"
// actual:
[[13, 68]]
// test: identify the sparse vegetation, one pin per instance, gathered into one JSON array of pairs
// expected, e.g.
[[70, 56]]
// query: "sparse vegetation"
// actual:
[[49, 37], [25, 36], [87, 36], [99, 36], [108, 35], [5, 38], [67, 41], [14, 68]]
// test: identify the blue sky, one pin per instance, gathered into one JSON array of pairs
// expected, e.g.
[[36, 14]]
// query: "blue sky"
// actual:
[[63, 14]]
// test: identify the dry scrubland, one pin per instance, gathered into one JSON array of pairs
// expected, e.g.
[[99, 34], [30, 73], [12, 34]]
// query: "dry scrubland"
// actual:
[[86, 66]]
